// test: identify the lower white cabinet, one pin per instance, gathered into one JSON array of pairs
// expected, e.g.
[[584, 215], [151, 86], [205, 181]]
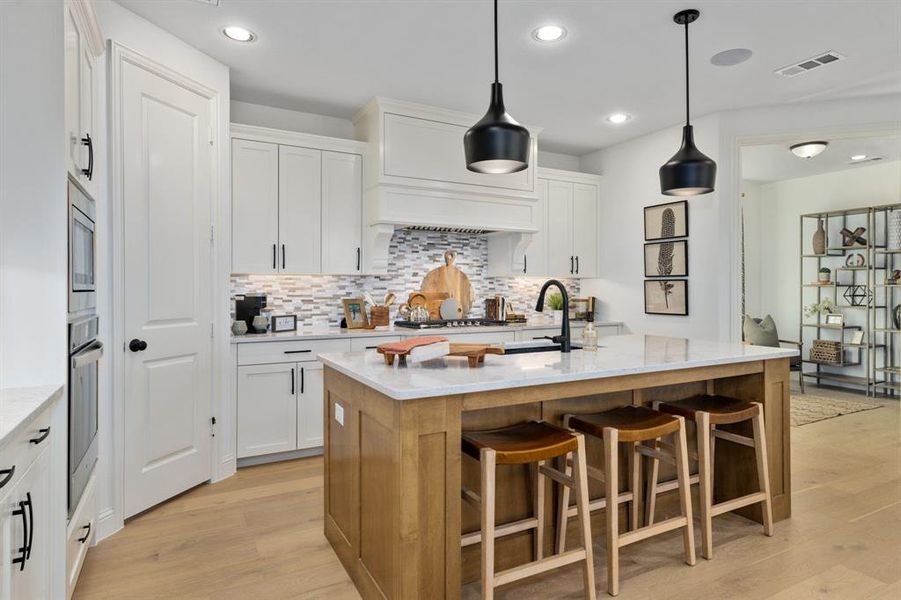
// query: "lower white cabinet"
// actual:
[[26, 533], [279, 408], [80, 535]]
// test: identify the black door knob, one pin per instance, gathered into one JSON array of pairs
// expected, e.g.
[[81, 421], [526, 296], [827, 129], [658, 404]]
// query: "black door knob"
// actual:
[[137, 345]]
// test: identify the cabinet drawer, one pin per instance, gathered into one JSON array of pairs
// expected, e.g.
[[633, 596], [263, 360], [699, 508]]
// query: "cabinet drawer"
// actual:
[[370, 343], [20, 452], [284, 352], [80, 535]]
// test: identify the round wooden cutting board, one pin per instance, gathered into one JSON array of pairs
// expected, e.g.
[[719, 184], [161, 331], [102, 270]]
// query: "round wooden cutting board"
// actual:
[[450, 280]]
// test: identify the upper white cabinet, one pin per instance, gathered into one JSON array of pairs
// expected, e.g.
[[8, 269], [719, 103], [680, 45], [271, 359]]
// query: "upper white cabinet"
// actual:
[[561, 260], [83, 46], [296, 203]]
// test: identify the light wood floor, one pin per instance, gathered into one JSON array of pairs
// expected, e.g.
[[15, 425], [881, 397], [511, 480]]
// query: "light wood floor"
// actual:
[[258, 535]]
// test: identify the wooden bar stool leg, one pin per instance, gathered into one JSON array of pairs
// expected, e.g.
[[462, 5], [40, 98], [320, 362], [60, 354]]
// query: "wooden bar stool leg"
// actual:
[[538, 507], [611, 485], [563, 511], [712, 461], [705, 492], [763, 470], [652, 488], [681, 447], [487, 458], [581, 490], [634, 486]]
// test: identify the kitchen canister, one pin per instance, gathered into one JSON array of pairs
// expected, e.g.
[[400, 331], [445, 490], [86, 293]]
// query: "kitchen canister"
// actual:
[[893, 225], [239, 327]]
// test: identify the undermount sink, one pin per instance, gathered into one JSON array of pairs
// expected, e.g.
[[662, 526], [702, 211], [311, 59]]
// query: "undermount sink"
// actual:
[[535, 346]]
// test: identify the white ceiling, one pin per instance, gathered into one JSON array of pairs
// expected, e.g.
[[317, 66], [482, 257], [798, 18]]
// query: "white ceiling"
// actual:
[[332, 56], [775, 162]]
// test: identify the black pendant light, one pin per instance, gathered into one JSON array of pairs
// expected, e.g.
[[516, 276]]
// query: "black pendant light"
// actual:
[[689, 172], [497, 143]]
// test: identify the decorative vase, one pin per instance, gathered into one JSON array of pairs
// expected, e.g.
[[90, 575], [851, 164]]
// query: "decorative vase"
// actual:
[[239, 327], [260, 324], [819, 238], [893, 222]]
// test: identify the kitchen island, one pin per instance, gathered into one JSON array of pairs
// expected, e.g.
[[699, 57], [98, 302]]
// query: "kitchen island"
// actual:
[[393, 465]]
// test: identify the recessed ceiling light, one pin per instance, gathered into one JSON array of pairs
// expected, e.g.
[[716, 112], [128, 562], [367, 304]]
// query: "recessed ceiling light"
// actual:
[[619, 117], [549, 33], [731, 57], [239, 34], [859, 157], [808, 149]]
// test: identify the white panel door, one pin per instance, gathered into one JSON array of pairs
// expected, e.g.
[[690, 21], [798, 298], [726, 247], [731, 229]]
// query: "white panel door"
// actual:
[[535, 260], [167, 173], [267, 409], [309, 405], [342, 212], [254, 207], [560, 258], [299, 209], [585, 229]]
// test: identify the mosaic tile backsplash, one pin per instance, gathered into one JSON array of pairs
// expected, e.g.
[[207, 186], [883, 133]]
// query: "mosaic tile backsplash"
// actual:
[[316, 299]]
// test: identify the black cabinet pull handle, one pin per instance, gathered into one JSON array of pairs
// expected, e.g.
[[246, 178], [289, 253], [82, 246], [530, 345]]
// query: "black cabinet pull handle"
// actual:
[[359, 258], [30, 529], [577, 265], [572, 267], [525, 263], [274, 251], [9, 475], [367, 347], [87, 534], [20, 560], [301, 380], [292, 381], [87, 141], [137, 345], [283, 256], [44, 431], [297, 351]]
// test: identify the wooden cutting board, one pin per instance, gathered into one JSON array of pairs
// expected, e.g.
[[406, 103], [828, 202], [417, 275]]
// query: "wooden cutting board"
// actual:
[[475, 353], [451, 280]]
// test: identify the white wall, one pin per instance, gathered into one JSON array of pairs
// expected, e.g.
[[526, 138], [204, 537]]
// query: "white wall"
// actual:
[[556, 160], [751, 213], [132, 31], [247, 113]]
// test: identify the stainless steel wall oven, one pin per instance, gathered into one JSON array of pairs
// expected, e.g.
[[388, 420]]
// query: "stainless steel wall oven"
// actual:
[[85, 351]]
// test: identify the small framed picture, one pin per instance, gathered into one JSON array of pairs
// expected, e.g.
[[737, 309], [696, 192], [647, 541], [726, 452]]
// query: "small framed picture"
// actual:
[[664, 221], [284, 323], [666, 259], [666, 297], [857, 337], [835, 319], [355, 313]]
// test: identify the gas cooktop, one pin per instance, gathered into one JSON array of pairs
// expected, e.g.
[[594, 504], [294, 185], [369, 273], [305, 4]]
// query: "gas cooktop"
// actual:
[[444, 323]]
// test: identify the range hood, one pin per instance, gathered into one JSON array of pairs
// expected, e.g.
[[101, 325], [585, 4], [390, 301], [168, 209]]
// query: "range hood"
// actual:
[[415, 177]]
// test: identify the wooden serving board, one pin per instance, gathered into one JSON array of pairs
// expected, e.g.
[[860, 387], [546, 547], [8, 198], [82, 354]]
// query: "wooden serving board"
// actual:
[[474, 353], [450, 280]]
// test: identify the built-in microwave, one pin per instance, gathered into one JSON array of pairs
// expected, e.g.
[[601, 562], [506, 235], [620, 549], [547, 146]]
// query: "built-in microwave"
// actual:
[[82, 252]]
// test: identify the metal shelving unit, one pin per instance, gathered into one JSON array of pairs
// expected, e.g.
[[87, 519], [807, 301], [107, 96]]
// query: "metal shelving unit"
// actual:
[[883, 260]]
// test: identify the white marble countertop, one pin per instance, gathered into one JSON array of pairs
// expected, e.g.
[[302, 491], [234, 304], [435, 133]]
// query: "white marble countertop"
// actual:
[[617, 355], [323, 333], [18, 406]]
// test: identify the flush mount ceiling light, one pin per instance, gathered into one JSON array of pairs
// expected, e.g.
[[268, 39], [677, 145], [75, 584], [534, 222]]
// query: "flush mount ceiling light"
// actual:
[[857, 157], [497, 143], [618, 117], [808, 149], [549, 33], [689, 172], [238, 34], [731, 57]]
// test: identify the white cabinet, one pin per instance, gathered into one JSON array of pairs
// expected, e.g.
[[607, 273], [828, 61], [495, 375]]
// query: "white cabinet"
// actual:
[[585, 229], [267, 409], [309, 405], [82, 47], [342, 212], [560, 258], [80, 534], [26, 518], [572, 223], [300, 209], [296, 208], [254, 207]]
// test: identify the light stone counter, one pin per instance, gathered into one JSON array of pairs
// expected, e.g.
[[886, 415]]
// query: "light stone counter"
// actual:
[[18, 406], [618, 355]]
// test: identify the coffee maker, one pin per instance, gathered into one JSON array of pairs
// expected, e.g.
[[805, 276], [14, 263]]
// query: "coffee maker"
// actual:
[[248, 306]]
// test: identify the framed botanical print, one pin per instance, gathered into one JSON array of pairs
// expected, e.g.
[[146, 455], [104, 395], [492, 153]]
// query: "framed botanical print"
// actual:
[[666, 259], [666, 297], [664, 221]]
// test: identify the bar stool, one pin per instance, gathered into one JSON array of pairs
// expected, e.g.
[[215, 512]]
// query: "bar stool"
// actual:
[[528, 443], [708, 411], [632, 425]]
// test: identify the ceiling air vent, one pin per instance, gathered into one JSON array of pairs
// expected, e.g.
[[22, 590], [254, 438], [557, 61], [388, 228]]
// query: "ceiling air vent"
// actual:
[[448, 229], [810, 64], [866, 160]]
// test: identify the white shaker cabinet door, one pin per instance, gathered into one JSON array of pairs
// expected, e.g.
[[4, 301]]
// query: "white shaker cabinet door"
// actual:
[[561, 260], [254, 207], [30, 528], [299, 209], [585, 229], [342, 212], [267, 409], [309, 405], [536, 256]]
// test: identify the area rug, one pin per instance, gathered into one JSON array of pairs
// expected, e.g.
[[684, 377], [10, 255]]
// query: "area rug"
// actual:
[[810, 408]]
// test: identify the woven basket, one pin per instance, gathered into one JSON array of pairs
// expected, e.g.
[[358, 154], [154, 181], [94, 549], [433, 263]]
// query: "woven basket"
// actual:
[[826, 351], [378, 316]]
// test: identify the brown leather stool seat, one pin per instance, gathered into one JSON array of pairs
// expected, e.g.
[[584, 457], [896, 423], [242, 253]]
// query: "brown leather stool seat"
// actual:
[[634, 423], [722, 409], [521, 444]]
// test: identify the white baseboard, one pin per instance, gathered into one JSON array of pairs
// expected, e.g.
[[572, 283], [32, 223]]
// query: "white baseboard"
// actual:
[[278, 457], [108, 523]]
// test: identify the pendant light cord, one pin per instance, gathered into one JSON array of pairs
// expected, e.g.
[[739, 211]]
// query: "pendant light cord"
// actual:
[[687, 120], [495, 42]]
